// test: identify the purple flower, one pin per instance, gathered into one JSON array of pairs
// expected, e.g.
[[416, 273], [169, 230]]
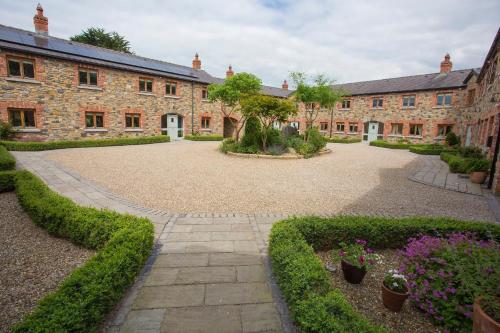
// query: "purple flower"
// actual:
[[368, 250], [468, 314], [361, 242]]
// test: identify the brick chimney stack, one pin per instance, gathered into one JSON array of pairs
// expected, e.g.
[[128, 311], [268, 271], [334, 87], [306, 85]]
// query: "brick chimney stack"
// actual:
[[446, 64], [196, 62], [229, 72], [284, 85], [41, 22]]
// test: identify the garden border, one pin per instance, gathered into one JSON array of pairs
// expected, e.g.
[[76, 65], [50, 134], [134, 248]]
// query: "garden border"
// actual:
[[314, 304], [277, 157], [211, 137]]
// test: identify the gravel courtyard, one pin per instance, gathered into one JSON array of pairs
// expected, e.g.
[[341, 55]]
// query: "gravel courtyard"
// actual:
[[193, 177]]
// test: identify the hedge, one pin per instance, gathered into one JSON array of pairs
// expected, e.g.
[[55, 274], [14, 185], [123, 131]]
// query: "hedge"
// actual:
[[314, 304], [7, 180], [7, 161], [123, 243], [213, 137], [391, 145], [50, 145], [343, 140], [430, 149]]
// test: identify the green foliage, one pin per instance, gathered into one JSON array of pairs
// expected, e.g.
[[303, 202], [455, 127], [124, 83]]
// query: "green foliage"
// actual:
[[452, 139], [315, 138], [253, 133], [344, 139], [429, 149], [447, 156], [234, 89], [99, 37], [391, 145], [472, 152], [395, 281], [49, 145], [491, 306], [124, 242], [228, 145], [7, 180], [459, 164], [7, 161], [478, 165], [211, 137], [5, 130], [356, 254]]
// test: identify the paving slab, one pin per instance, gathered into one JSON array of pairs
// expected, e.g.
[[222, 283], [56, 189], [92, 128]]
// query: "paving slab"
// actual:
[[161, 276], [237, 293], [207, 319], [170, 296], [192, 275], [143, 321], [260, 318], [233, 259], [181, 260], [253, 273]]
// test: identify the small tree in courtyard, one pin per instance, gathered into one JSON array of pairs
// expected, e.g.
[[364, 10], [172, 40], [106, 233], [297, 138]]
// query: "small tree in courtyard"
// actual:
[[231, 93], [268, 110]]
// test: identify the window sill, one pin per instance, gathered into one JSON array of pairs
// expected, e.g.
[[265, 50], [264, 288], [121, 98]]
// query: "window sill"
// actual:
[[206, 129], [408, 108], [395, 135], [205, 100], [15, 79], [415, 136], [373, 109], [95, 130], [134, 130], [352, 133], [337, 132], [146, 94], [442, 107], [89, 88], [344, 109], [172, 96], [26, 130]]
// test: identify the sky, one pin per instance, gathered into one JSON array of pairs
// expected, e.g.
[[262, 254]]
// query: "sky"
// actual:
[[345, 40]]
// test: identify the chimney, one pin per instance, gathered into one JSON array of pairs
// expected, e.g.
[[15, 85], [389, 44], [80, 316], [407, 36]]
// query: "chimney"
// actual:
[[446, 64], [229, 72], [284, 85], [196, 62], [41, 22]]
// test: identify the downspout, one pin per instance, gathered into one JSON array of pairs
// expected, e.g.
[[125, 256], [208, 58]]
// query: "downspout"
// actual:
[[192, 108]]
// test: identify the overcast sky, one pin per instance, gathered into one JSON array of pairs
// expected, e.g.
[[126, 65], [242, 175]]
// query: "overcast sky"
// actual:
[[347, 40]]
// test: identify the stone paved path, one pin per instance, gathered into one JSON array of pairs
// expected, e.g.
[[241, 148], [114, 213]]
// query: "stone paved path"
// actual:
[[436, 173], [208, 272]]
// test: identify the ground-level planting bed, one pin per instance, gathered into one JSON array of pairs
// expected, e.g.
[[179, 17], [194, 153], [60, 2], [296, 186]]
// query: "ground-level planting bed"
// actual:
[[316, 305]]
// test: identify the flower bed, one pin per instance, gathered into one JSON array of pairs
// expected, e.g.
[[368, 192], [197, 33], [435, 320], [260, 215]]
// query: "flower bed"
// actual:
[[314, 304], [211, 137], [123, 242], [50, 145]]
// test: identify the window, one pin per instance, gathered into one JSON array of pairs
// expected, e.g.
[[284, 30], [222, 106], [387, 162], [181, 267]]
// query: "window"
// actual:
[[22, 68], [171, 88], [323, 126], [471, 94], [132, 120], [94, 120], [377, 102], [409, 101], [353, 127], [276, 125], [444, 129], [295, 124], [87, 77], [416, 129], [396, 129], [443, 99], [22, 118], [204, 93], [340, 127], [205, 122], [346, 104], [145, 85]]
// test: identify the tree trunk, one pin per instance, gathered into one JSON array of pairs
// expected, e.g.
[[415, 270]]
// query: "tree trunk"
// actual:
[[331, 122], [238, 129]]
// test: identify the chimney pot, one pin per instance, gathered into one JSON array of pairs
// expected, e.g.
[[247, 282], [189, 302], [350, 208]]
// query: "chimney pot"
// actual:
[[284, 85], [41, 22], [446, 64], [229, 72], [196, 62]]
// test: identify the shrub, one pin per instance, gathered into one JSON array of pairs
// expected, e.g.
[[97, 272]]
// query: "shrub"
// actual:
[[5, 130], [253, 133], [49, 145], [356, 254], [452, 139], [447, 156], [228, 145], [472, 152], [212, 137], [344, 140], [7, 180], [385, 144], [276, 150], [315, 138], [446, 275], [480, 165], [274, 137], [430, 149], [459, 164], [7, 161], [306, 149], [124, 242], [294, 142]]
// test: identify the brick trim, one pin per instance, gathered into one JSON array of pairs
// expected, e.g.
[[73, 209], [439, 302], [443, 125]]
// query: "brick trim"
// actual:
[[96, 109], [436, 93], [126, 111], [37, 62], [100, 74], [177, 89], [6, 105], [154, 87]]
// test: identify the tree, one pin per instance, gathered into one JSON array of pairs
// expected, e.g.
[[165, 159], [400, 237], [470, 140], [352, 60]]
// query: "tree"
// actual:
[[101, 38], [230, 93], [268, 110]]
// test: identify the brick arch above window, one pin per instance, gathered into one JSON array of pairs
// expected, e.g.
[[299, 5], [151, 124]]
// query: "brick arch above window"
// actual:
[[94, 109], [100, 74], [39, 68], [138, 111], [6, 105]]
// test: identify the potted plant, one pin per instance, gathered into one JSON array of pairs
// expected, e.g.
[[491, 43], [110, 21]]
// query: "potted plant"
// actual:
[[394, 290], [355, 260], [486, 315], [478, 170]]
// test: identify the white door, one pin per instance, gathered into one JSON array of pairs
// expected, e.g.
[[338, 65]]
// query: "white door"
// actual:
[[468, 136], [372, 131], [172, 126]]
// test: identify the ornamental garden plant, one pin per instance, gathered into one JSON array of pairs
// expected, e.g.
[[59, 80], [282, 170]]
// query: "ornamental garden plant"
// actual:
[[468, 160]]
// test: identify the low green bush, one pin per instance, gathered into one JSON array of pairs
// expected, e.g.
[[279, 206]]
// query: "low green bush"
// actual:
[[314, 304], [472, 152], [7, 161], [211, 137], [452, 139], [479, 165], [50, 145], [446, 156], [228, 145], [391, 145], [315, 139], [253, 133], [430, 149], [124, 242], [6, 130], [7, 180], [344, 140]]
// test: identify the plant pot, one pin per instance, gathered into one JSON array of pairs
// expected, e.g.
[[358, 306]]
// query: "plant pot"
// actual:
[[481, 322], [478, 177], [393, 300], [352, 274]]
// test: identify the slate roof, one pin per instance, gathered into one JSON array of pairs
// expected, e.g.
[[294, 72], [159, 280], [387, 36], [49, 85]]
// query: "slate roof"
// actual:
[[433, 81], [27, 41]]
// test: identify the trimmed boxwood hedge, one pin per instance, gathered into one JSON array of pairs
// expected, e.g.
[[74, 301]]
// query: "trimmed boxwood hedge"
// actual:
[[430, 149], [50, 145], [7, 161], [212, 137], [343, 140], [7, 180], [123, 243], [314, 304], [391, 145]]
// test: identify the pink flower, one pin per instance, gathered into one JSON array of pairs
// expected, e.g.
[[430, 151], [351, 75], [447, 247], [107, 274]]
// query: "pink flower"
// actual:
[[362, 260], [360, 242], [341, 253]]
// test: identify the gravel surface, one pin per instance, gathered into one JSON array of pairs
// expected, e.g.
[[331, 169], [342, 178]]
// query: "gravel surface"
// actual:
[[33, 263], [193, 177], [366, 297]]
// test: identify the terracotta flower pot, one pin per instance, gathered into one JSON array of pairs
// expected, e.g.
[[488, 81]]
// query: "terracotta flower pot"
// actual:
[[352, 274], [481, 322], [393, 300], [478, 177]]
